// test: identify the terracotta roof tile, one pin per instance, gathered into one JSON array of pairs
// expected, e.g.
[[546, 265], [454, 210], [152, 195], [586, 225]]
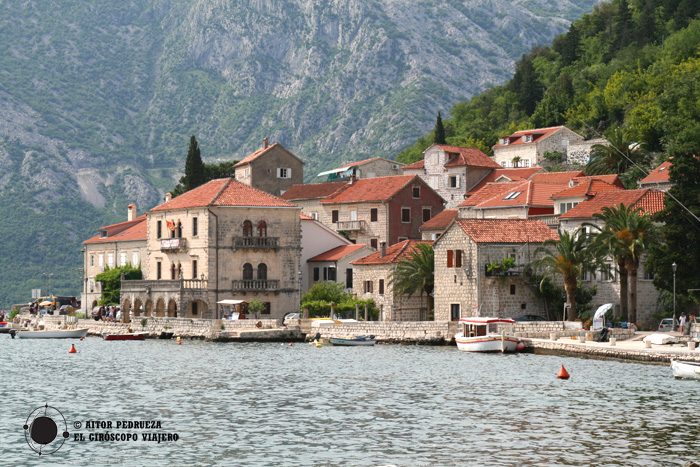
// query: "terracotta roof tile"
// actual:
[[353, 164], [394, 254], [590, 187], [658, 175], [124, 231], [489, 191], [530, 194], [306, 217], [337, 253], [251, 157], [312, 190], [651, 201], [556, 177], [441, 220], [416, 165], [372, 189], [223, 192], [613, 179], [538, 134], [507, 230], [520, 174], [471, 157]]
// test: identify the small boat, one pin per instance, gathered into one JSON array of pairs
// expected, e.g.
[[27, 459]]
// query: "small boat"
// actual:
[[690, 370], [127, 336], [353, 341], [482, 334], [57, 334]]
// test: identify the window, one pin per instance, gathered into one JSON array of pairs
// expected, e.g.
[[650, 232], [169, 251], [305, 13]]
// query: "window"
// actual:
[[648, 275], [159, 274], [179, 230], [373, 214], [406, 215], [401, 239], [92, 260], [247, 229], [135, 259], [246, 172], [453, 181], [284, 172], [348, 278], [268, 308], [373, 243], [607, 273], [262, 229], [450, 255], [262, 272], [512, 289], [172, 271], [122, 258], [458, 258], [110, 260], [103, 234], [334, 216], [194, 308], [564, 207], [454, 311], [314, 215], [159, 226], [368, 286], [195, 227], [101, 260], [329, 274], [584, 276], [416, 191], [381, 286], [317, 274], [512, 195], [247, 272], [427, 214], [194, 269]]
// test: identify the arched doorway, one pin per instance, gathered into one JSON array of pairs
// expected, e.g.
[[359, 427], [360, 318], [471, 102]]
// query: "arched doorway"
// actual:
[[137, 307], [172, 309], [126, 310], [160, 308], [148, 309], [196, 309]]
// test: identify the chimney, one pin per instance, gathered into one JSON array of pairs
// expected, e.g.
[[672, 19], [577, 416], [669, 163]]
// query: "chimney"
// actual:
[[352, 179], [382, 249], [131, 212], [265, 143], [168, 197]]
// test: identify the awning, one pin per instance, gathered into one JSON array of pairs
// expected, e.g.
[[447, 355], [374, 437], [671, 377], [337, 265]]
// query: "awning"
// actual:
[[335, 171], [231, 302], [600, 312]]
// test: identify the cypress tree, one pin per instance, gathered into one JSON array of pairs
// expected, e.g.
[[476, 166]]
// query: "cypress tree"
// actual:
[[194, 168], [439, 131]]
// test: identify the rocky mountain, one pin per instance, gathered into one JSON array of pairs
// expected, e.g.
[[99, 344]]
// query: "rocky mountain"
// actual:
[[99, 98]]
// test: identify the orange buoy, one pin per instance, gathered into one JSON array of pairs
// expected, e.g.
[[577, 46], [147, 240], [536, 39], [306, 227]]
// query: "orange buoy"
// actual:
[[72, 349], [291, 344], [563, 374], [179, 342], [82, 338]]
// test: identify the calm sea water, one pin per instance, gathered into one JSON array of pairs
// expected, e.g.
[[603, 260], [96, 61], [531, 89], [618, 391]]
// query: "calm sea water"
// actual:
[[271, 404]]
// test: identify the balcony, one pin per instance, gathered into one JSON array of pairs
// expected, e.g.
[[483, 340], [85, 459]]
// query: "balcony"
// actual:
[[551, 220], [351, 226], [255, 285], [516, 271], [268, 243], [173, 244], [163, 285]]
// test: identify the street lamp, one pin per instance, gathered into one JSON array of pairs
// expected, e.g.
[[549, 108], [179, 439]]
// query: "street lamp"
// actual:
[[674, 266]]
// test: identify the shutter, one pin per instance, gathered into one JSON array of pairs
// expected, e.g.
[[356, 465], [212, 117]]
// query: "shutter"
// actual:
[[279, 172], [457, 178], [447, 181], [458, 260], [449, 258], [289, 173]]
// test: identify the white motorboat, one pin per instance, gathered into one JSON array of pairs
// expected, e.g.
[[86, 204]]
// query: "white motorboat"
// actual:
[[689, 370], [353, 341], [483, 334], [57, 334]]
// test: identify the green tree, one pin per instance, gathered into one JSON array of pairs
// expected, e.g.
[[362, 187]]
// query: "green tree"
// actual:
[[569, 257], [195, 171], [415, 274], [112, 282], [256, 306], [617, 156], [526, 85], [439, 131]]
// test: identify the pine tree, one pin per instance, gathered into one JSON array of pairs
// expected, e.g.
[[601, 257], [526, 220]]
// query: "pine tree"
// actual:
[[439, 131], [194, 168]]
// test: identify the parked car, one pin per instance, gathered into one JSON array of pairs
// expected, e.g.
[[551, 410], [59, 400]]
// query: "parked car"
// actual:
[[291, 315], [530, 318], [665, 325], [65, 310]]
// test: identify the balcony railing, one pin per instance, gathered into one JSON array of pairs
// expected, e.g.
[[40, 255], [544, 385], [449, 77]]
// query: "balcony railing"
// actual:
[[351, 225], [512, 272], [163, 285], [173, 244], [256, 242], [551, 220], [255, 285]]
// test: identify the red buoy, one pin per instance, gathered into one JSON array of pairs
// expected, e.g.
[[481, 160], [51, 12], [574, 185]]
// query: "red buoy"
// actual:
[[520, 347], [72, 349], [563, 374], [291, 344]]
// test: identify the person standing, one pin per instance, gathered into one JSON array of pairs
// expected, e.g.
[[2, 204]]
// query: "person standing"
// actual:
[[681, 320]]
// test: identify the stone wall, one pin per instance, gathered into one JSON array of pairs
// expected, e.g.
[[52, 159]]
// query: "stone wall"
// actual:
[[425, 332], [391, 307]]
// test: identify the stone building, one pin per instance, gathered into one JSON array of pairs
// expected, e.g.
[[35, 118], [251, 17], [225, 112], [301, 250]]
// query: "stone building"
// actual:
[[464, 287], [371, 279], [658, 179], [272, 168], [526, 148], [334, 265], [451, 170], [572, 196], [436, 226], [309, 196], [222, 240], [368, 168], [579, 151], [116, 245]]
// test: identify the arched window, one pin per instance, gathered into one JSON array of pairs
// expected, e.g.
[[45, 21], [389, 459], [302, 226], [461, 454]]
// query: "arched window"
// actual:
[[262, 229], [172, 271], [247, 272], [262, 272], [179, 270], [247, 229], [179, 229]]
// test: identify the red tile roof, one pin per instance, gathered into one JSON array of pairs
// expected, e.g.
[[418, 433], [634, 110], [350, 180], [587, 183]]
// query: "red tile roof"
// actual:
[[353, 164], [531, 194], [658, 175], [337, 253], [613, 179], [590, 187], [306, 217], [520, 174], [394, 254], [651, 201], [251, 157], [507, 230], [491, 190], [124, 231], [373, 189], [312, 190], [223, 192], [441, 220], [416, 165], [556, 177], [538, 134], [471, 157]]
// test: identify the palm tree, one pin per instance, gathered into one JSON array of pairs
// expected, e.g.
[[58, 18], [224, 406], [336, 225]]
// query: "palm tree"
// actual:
[[571, 256], [617, 156], [416, 273], [626, 235]]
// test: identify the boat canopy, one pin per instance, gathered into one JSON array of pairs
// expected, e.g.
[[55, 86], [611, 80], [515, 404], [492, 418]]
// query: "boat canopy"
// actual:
[[484, 320]]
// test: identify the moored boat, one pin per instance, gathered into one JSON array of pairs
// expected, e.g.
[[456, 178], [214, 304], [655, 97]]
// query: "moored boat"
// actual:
[[127, 336], [353, 341], [482, 334], [57, 334], [689, 370]]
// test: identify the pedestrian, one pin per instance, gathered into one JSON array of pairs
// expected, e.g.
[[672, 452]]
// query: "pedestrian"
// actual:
[[681, 320]]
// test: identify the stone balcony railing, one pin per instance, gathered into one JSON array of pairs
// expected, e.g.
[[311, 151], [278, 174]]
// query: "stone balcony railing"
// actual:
[[358, 226], [550, 220], [256, 242], [176, 285], [255, 285], [173, 244]]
